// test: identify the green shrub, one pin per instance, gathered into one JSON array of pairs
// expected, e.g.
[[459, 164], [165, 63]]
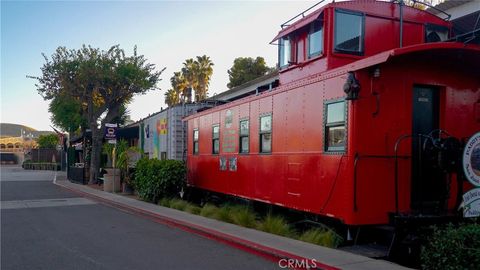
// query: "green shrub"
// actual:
[[165, 202], [49, 141], [209, 210], [155, 179], [452, 248], [173, 176], [178, 204], [223, 214], [193, 209], [322, 237], [276, 225], [243, 216]]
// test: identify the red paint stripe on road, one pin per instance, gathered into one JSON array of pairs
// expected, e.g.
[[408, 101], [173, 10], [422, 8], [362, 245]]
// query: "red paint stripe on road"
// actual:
[[268, 253]]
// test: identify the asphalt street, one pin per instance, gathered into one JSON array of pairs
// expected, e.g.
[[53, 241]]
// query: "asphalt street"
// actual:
[[46, 227]]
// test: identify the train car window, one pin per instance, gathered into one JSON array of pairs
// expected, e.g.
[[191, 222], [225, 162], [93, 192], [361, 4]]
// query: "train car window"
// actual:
[[244, 136], [284, 52], [335, 126], [349, 32], [215, 139], [435, 33], [266, 134], [315, 39], [195, 141]]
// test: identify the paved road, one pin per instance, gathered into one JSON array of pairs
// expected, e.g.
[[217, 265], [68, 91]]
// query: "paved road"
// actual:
[[46, 227]]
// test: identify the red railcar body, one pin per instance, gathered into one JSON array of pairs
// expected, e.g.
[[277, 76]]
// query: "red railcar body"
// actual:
[[309, 146]]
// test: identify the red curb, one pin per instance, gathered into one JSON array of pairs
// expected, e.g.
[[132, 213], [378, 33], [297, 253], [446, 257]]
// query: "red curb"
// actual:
[[268, 253]]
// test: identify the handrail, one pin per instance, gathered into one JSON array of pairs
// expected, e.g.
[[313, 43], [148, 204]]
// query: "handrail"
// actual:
[[397, 143], [355, 165], [285, 24], [395, 157], [432, 7]]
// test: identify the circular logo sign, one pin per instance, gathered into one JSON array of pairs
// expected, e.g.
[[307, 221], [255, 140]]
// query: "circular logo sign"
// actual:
[[471, 160]]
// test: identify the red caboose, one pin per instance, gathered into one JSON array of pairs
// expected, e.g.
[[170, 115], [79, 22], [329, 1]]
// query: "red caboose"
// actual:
[[369, 117]]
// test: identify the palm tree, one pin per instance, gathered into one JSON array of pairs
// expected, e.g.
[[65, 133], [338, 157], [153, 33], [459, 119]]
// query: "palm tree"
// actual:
[[194, 76], [204, 73], [189, 71], [172, 97], [179, 85]]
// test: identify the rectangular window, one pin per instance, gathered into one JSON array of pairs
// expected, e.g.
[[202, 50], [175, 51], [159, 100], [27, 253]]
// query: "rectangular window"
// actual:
[[215, 139], [435, 33], [349, 28], [195, 141], [315, 39], [335, 126], [284, 52], [266, 134], [244, 136]]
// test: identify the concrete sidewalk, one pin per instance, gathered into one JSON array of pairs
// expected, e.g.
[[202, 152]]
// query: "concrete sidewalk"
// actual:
[[257, 241]]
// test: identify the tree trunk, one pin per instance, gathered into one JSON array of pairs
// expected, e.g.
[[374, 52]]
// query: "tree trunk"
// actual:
[[97, 138], [189, 95]]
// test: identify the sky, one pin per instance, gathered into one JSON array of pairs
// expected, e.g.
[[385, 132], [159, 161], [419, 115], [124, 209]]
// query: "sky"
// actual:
[[165, 32]]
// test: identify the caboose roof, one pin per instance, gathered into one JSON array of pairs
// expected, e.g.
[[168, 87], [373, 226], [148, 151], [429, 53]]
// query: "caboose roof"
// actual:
[[368, 6], [435, 48]]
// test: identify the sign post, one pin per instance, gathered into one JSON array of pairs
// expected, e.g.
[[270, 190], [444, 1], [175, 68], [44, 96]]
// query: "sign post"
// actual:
[[111, 137]]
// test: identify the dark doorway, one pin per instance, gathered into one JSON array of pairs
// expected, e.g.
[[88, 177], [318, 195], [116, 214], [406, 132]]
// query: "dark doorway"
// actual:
[[428, 187]]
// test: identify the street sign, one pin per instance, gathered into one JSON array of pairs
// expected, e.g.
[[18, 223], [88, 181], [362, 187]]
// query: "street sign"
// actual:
[[111, 132]]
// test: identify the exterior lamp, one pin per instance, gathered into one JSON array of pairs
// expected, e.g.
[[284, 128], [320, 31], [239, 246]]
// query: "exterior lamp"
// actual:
[[351, 87]]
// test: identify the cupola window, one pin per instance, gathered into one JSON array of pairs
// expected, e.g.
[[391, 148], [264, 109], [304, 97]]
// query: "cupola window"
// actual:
[[284, 51], [315, 39], [349, 32], [435, 33]]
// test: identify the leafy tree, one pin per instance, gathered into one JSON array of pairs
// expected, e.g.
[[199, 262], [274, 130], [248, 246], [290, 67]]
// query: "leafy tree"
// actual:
[[102, 81], [67, 113], [123, 116], [245, 69], [47, 141]]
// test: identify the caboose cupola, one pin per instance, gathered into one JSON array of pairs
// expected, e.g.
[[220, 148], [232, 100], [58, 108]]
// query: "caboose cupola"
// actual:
[[340, 33]]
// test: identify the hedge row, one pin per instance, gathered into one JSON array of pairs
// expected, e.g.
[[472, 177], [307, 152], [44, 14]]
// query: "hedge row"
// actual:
[[453, 247], [155, 179]]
